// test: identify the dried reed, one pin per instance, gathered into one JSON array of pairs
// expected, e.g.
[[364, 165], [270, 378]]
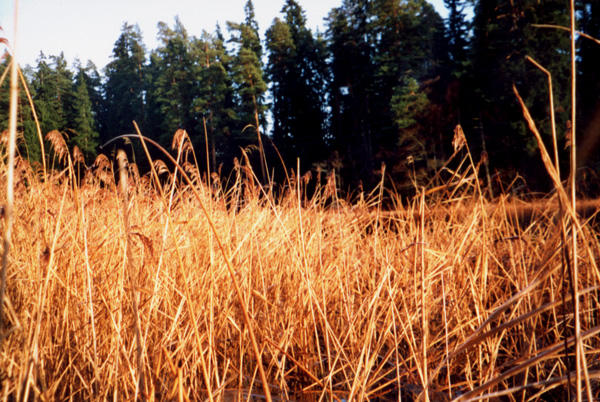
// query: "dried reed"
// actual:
[[343, 300], [172, 290], [12, 140]]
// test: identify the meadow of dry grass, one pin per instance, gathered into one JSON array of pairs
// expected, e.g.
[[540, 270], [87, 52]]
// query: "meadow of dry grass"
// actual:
[[171, 286], [123, 292]]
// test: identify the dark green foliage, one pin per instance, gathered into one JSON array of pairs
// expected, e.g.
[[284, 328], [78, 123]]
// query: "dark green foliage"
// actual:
[[52, 84], [457, 35], [387, 84], [53, 92], [409, 52], [93, 82], [247, 72], [62, 103], [378, 48], [248, 83], [189, 87], [27, 139], [83, 128], [297, 71], [124, 86], [503, 35], [352, 70], [215, 102], [174, 79], [455, 65]]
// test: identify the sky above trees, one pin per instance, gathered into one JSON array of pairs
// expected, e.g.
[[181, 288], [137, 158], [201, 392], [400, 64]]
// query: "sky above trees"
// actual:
[[87, 29]]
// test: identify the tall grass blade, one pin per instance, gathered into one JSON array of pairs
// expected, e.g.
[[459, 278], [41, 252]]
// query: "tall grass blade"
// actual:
[[10, 175]]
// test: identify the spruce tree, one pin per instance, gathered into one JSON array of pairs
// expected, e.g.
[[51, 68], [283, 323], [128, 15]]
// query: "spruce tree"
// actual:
[[282, 53], [52, 85], [52, 91], [247, 76], [297, 71], [381, 50], [84, 134], [457, 34], [352, 71], [215, 97], [93, 82], [29, 144], [124, 85], [174, 81], [503, 34]]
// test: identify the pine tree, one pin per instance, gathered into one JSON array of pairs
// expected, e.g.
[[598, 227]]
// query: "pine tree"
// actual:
[[297, 71], [504, 33], [457, 34], [63, 80], [247, 76], [215, 100], [154, 119], [85, 135], [174, 80], [29, 144], [282, 54], [352, 71], [93, 82], [124, 85], [52, 91], [406, 41], [381, 50], [455, 65], [52, 85]]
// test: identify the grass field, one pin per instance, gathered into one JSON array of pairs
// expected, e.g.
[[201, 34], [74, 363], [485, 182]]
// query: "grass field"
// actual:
[[142, 290], [173, 286]]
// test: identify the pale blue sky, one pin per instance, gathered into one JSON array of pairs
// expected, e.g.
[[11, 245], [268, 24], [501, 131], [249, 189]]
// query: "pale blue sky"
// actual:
[[87, 29]]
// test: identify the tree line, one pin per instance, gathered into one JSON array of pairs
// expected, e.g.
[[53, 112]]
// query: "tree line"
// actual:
[[385, 83]]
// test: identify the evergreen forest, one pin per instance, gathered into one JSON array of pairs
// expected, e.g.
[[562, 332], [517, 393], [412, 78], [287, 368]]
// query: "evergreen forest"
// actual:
[[385, 84]]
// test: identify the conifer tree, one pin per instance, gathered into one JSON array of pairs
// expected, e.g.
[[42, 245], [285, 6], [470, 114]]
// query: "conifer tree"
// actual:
[[83, 126], [28, 144], [247, 76], [174, 81], [52, 85], [93, 82], [456, 63], [297, 71], [381, 50], [503, 34], [352, 71], [457, 34], [52, 91], [124, 85], [215, 97]]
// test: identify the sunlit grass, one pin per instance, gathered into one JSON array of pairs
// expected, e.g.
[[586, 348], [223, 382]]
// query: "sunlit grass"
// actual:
[[175, 287], [341, 295]]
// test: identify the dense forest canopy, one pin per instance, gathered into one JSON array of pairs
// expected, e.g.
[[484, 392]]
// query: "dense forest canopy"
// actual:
[[385, 83]]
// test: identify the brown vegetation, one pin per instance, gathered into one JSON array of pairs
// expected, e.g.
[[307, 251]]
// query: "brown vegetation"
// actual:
[[174, 287], [344, 300]]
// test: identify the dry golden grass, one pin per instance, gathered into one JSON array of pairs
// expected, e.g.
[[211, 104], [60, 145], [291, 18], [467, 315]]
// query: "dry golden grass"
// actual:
[[345, 300], [169, 287]]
